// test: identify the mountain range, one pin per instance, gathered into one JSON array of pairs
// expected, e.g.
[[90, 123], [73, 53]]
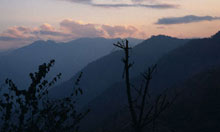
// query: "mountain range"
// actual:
[[70, 57], [188, 67], [104, 72], [176, 67]]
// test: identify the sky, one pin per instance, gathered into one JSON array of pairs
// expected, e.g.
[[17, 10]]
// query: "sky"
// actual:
[[25, 21]]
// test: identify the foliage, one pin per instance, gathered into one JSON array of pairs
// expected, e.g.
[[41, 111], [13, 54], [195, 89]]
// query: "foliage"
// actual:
[[33, 110]]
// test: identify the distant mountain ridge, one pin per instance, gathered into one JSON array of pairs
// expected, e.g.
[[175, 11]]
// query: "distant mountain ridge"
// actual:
[[70, 57]]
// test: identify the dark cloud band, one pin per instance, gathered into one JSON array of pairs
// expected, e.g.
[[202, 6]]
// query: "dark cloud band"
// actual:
[[185, 19], [136, 3], [6, 38], [157, 6]]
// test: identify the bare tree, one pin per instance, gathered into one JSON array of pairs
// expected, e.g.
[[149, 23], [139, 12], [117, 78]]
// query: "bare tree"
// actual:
[[144, 109]]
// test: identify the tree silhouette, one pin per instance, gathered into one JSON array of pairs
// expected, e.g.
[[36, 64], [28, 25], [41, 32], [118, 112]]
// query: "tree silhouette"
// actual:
[[144, 109], [33, 110]]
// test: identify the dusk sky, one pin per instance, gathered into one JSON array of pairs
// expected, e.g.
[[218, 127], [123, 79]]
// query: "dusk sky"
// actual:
[[25, 21]]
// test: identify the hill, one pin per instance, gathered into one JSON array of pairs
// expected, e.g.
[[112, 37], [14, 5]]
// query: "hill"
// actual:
[[174, 68], [104, 72], [70, 57]]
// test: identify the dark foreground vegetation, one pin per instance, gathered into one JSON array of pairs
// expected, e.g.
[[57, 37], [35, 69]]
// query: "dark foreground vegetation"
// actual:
[[32, 110]]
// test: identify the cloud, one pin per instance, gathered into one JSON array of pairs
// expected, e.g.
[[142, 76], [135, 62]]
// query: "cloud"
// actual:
[[47, 27], [134, 3], [122, 31], [185, 19], [78, 29], [79, 1], [155, 6], [113, 31], [17, 33], [138, 1], [6, 38], [68, 30]]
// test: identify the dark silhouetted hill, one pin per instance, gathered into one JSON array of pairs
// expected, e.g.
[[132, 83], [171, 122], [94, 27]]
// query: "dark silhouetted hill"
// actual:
[[104, 72], [197, 108], [174, 69]]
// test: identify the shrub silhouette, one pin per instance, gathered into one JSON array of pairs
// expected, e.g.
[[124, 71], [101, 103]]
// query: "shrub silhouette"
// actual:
[[142, 115], [33, 110]]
